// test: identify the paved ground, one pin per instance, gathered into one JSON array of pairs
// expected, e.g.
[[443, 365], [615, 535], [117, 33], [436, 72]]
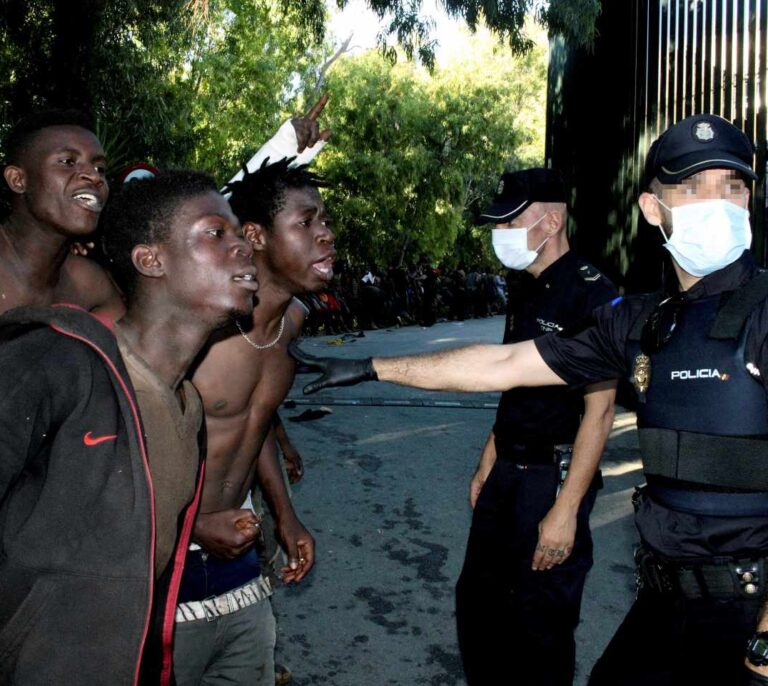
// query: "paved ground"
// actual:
[[385, 494]]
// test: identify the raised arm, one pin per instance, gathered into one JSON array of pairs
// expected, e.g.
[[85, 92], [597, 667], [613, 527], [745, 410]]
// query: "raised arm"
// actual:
[[299, 137]]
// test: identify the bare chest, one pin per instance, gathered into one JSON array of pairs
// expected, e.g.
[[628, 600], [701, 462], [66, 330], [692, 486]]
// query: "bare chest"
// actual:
[[237, 381]]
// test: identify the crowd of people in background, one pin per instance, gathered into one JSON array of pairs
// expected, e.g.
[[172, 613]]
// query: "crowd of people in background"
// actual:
[[374, 298]]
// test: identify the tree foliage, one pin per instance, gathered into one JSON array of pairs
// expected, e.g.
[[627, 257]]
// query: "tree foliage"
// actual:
[[203, 83], [412, 29], [105, 57], [413, 156], [247, 72], [164, 83]]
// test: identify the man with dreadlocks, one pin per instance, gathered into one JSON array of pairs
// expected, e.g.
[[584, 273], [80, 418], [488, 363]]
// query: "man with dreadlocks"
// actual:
[[225, 630]]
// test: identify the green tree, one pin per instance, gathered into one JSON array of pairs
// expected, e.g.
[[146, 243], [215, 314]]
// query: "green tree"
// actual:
[[413, 155], [573, 19], [106, 57], [164, 83], [246, 77], [201, 81]]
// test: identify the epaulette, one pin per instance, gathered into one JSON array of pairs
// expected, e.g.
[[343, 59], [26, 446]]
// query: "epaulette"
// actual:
[[589, 273]]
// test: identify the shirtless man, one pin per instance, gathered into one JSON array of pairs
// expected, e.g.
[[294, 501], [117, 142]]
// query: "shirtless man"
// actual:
[[243, 378], [55, 172]]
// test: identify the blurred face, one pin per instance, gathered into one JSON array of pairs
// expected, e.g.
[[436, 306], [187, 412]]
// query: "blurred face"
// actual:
[[299, 248], [61, 180], [710, 184], [206, 263]]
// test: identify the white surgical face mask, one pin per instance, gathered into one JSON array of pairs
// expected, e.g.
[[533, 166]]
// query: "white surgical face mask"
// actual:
[[511, 246], [707, 235]]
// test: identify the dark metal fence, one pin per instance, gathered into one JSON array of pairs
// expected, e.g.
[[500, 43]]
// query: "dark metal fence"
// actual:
[[654, 63]]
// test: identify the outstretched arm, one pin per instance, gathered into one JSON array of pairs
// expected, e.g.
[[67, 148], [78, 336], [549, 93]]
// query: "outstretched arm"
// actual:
[[471, 369]]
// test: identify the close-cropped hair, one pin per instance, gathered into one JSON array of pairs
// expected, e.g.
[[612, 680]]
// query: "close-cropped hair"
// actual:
[[260, 195], [141, 212], [24, 132]]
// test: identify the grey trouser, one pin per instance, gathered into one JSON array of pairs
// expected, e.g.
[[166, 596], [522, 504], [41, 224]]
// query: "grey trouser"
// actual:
[[238, 648]]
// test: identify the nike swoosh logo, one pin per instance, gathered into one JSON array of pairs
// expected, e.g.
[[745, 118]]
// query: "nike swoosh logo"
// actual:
[[89, 439]]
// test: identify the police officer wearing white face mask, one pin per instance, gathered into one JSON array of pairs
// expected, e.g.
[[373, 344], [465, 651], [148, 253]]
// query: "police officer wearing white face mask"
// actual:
[[699, 363], [529, 549], [698, 357]]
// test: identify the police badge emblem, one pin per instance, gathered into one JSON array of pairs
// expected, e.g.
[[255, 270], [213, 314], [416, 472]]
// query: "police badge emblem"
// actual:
[[703, 132], [641, 374]]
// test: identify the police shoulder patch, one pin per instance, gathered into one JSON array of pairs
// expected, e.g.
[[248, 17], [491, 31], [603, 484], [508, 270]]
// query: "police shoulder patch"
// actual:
[[589, 273]]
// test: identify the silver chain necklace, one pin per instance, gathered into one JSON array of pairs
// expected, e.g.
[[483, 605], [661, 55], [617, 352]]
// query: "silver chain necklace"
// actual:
[[256, 345]]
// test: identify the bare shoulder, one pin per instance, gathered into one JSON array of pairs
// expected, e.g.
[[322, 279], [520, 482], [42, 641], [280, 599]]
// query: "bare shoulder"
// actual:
[[294, 317], [86, 270], [91, 285]]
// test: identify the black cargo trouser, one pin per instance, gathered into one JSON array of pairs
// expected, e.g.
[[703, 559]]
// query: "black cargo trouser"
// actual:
[[669, 640], [515, 625]]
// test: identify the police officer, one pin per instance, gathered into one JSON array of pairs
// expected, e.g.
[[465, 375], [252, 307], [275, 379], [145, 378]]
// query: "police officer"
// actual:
[[529, 549], [698, 357]]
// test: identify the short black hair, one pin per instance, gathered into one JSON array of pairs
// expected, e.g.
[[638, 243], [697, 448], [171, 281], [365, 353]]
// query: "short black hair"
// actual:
[[142, 212], [260, 195], [22, 134]]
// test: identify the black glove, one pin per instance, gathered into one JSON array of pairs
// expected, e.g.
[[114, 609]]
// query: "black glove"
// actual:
[[754, 679], [335, 370]]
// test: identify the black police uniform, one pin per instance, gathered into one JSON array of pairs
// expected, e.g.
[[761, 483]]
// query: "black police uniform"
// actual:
[[703, 429], [511, 619]]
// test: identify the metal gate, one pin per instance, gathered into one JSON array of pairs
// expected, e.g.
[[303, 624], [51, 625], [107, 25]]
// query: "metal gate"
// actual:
[[654, 62]]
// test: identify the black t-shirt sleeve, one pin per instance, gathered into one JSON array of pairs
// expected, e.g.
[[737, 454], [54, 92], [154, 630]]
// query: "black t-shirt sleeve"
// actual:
[[600, 293], [596, 352]]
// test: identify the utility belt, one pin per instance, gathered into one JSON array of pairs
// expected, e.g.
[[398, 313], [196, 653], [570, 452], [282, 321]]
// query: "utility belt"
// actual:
[[707, 502], [217, 606], [715, 578], [535, 454], [556, 457]]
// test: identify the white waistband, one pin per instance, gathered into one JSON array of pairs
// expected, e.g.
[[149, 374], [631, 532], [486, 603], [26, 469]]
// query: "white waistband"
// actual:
[[216, 606]]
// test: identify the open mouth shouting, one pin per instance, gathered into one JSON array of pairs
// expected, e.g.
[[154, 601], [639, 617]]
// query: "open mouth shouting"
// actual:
[[324, 268], [247, 280], [89, 200]]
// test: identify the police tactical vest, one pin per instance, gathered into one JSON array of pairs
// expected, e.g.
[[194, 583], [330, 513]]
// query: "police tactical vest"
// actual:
[[704, 417]]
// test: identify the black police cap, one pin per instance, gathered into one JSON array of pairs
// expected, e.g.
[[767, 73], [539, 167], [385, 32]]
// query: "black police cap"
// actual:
[[517, 191], [703, 141]]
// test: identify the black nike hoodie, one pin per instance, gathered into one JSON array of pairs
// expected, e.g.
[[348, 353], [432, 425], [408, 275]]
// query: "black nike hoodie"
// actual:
[[79, 604]]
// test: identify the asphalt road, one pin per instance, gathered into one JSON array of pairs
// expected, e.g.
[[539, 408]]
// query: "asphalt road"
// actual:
[[385, 495]]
